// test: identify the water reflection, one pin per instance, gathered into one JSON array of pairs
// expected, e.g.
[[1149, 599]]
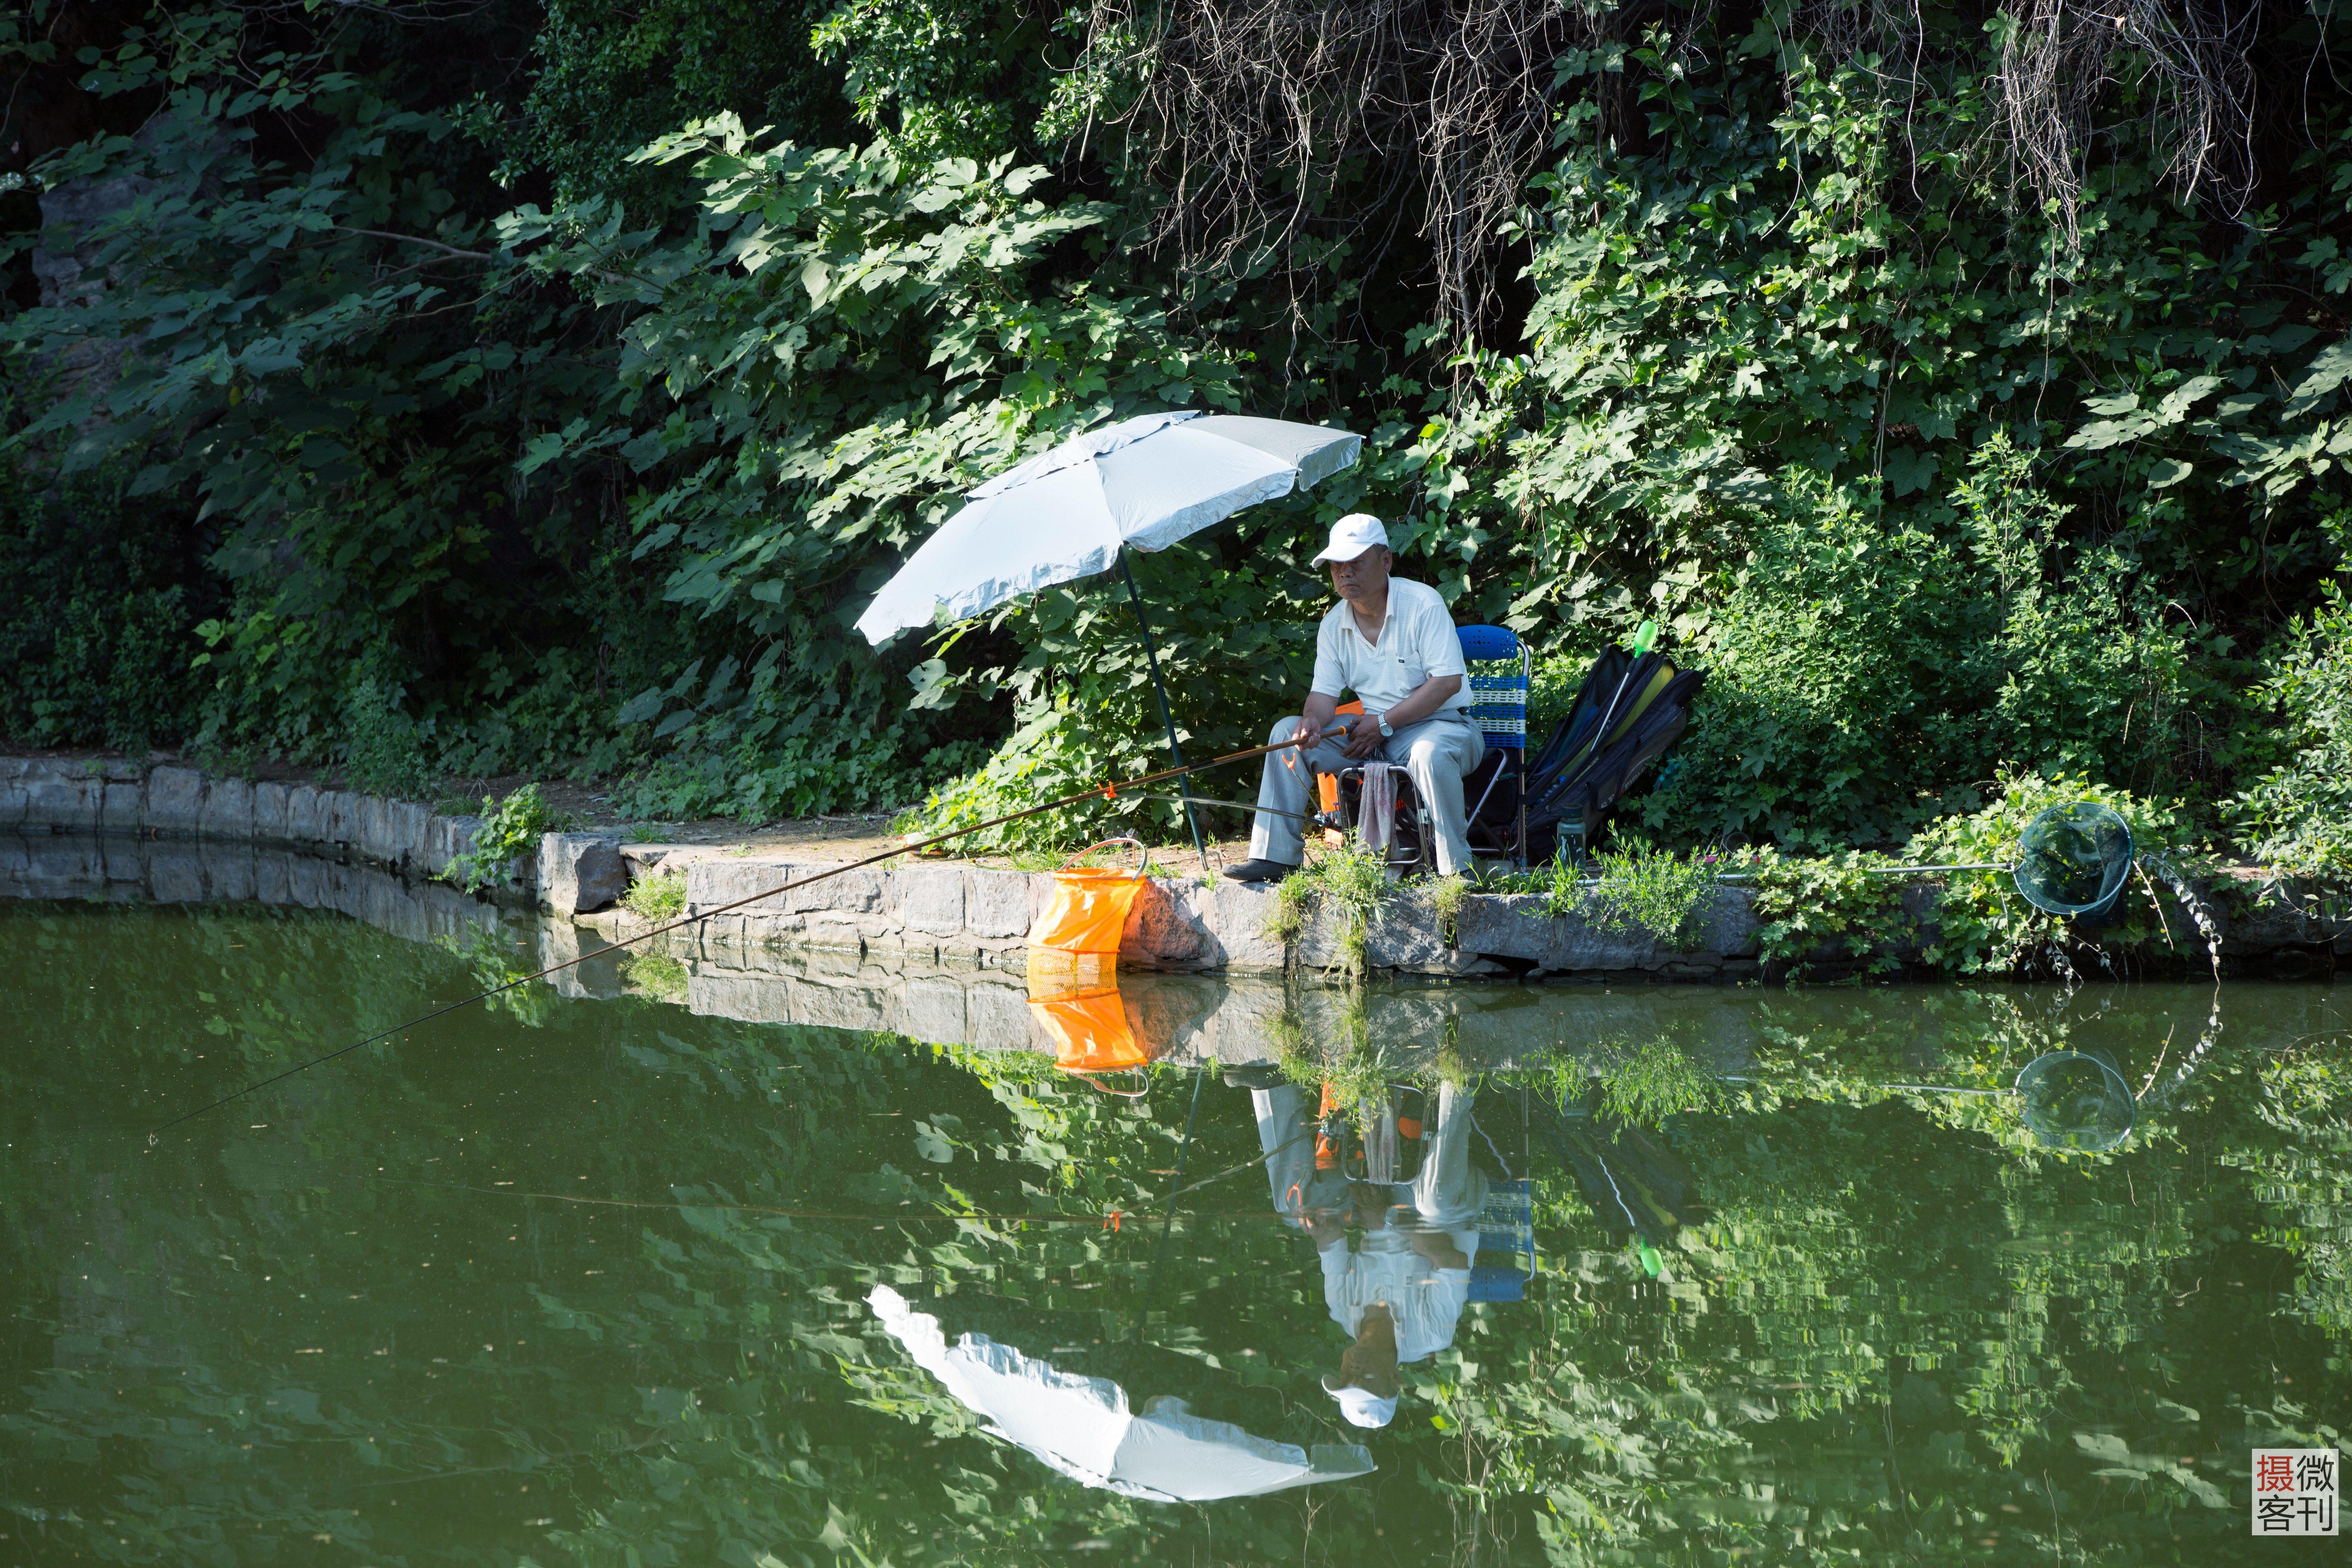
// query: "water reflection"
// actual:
[[1084, 1426], [2070, 1101], [588, 1282], [1098, 1037], [1394, 1254]]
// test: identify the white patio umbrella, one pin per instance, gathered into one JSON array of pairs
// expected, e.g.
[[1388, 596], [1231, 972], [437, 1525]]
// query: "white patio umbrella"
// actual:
[[1083, 1428], [1070, 513]]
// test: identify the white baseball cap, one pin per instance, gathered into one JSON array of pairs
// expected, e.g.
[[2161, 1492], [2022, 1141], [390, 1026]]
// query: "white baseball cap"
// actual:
[[1352, 535], [1362, 1407]]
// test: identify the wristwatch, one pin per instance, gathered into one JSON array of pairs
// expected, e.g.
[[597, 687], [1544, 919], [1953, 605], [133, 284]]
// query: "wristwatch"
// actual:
[[1385, 730]]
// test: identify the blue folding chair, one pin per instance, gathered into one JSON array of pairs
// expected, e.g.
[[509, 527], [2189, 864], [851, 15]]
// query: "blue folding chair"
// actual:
[[1494, 794]]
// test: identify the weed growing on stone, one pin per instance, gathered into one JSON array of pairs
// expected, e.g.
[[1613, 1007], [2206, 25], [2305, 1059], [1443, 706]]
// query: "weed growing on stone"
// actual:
[[1648, 889], [658, 899], [1637, 888], [1294, 899], [1350, 881], [1445, 896]]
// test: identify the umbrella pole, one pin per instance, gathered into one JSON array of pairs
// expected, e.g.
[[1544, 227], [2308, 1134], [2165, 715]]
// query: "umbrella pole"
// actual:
[[1175, 752]]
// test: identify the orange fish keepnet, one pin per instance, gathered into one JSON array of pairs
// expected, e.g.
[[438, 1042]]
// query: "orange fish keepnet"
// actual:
[[1090, 905], [1074, 972]]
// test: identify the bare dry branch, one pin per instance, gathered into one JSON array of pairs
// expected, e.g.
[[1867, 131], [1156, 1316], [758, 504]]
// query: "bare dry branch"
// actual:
[[1278, 129], [1277, 132]]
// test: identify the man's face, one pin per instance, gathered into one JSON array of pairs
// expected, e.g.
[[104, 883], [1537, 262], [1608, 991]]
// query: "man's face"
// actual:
[[1370, 1364], [1363, 577]]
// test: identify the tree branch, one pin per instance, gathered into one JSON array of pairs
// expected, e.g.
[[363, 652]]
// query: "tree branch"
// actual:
[[418, 239]]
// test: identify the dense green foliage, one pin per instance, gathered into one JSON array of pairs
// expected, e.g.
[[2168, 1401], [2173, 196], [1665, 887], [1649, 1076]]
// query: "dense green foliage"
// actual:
[[2299, 815], [97, 606], [548, 391]]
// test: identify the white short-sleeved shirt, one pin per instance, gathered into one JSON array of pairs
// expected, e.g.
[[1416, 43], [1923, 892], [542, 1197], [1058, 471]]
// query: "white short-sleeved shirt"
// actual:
[[1425, 1300], [1417, 642]]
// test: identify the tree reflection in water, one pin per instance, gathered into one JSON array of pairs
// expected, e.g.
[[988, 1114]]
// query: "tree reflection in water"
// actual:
[[588, 1285]]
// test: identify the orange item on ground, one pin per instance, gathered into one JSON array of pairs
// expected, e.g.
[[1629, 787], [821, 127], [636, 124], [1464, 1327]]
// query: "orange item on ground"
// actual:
[[1089, 908], [1326, 786]]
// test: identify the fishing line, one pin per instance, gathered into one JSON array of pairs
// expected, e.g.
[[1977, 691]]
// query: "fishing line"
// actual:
[[1245, 1164], [1109, 1219], [1107, 791]]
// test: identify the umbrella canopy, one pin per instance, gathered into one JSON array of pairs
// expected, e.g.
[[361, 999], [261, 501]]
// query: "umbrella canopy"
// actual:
[[1082, 1426], [1143, 483]]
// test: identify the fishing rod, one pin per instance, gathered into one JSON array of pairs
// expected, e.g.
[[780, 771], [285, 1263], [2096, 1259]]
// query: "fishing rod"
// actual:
[[1110, 1219], [1108, 790], [1168, 1215]]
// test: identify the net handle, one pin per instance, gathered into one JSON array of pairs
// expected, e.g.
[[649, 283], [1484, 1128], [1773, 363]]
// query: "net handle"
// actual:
[[1095, 1080], [1142, 856]]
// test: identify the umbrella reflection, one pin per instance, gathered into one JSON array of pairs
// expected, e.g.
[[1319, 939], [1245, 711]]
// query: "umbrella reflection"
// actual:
[[1086, 1428]]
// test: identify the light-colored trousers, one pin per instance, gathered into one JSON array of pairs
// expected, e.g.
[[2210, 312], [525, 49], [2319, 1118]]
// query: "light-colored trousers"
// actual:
[[1436, 752], [1447, 1195]]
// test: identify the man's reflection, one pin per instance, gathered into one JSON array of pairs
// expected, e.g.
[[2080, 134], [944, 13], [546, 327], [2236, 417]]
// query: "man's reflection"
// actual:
[[1401, 1290]]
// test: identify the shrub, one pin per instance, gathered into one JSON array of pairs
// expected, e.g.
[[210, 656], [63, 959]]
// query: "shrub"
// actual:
[[1984, 924], [1861, 672], [383, 751], [1845, 662], [1805, 902], [2298, 816], [98, 601], [509, 827]]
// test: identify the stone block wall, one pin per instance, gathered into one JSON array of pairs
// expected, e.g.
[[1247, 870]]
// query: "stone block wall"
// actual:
[[954, 913], [123, 799]]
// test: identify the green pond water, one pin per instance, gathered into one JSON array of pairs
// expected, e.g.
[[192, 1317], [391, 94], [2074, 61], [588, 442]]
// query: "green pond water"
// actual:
[[570, 1280]]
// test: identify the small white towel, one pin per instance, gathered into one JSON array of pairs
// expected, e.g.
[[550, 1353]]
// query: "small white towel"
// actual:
[[1376, 807]]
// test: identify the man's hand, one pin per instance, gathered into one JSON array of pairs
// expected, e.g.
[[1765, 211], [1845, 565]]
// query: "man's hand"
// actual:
[[1312, 720], [1440, 1249], [1363, 735]]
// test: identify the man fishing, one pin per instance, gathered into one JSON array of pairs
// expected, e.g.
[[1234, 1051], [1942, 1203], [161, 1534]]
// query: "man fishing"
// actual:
[[1392, 643]]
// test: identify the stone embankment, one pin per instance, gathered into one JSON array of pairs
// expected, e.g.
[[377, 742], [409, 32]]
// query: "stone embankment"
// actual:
[[951, 912], [928, 911], [1228, 1020]]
